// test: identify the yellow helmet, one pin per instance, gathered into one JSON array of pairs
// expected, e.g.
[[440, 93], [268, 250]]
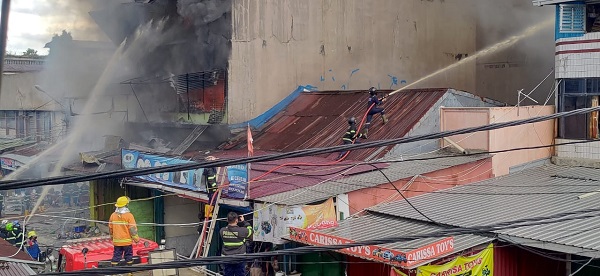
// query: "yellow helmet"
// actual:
[[122, 201], [31, 234]]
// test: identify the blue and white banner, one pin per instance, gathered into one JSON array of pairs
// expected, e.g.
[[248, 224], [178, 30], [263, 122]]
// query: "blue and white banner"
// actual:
[[191, 179], [238, 181]]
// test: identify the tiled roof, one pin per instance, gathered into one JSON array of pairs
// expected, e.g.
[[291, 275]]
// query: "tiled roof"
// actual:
[[536, 192], [395, 171], [319, 119], [378, 226]]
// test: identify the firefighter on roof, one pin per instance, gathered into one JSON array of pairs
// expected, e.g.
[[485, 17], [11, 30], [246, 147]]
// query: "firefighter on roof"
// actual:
[[123, 230], [373, 105], [351, 135], [211, 187]]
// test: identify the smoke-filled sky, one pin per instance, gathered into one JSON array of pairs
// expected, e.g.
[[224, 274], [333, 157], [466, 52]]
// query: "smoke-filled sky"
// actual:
[[32, 23]]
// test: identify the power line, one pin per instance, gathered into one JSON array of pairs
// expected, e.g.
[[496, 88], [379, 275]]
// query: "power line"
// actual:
[[299, 153], [482, 230]]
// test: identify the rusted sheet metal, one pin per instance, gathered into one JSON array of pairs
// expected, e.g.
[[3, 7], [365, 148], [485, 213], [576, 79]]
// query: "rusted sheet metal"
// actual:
[[293, 177], [318, 119]]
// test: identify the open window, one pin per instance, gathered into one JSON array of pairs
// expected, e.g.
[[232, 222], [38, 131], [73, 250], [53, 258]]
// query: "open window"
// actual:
[[576, 94]]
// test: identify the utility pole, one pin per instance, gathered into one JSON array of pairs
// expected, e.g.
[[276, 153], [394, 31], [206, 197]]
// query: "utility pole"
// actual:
[[3, 33]]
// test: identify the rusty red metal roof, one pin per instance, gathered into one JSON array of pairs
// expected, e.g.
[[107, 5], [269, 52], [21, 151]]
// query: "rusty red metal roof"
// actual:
[[293, 177], [8, 250], [318, 119]]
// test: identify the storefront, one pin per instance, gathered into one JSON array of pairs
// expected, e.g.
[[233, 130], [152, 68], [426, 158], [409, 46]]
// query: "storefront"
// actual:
[[400, 258]]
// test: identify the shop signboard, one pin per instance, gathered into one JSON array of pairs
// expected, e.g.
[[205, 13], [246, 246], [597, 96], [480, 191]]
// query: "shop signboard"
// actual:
[[375, 252], [189, 179], [9, 164], [481, 264], [238, 181]]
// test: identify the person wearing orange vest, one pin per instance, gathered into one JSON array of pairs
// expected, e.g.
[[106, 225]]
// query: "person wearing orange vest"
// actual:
[[123, 230]]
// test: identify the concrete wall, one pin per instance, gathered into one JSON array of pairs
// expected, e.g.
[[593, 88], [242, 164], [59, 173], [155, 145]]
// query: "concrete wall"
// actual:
[[578, 57], [529, 135], [181, 210], [344, 44], [18, 93], [589, 150], [442, 179], [430, 123]]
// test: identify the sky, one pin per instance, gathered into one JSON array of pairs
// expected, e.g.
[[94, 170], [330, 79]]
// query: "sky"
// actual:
[[32, 23]]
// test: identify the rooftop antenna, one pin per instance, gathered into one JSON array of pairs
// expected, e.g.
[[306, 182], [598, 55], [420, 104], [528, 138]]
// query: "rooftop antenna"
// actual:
[[519, 93]]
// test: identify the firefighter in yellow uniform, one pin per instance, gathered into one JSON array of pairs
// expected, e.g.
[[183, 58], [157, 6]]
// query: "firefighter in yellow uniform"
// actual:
[[123, 230]]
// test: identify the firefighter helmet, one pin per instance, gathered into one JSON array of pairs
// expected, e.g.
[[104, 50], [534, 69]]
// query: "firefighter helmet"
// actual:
[[352, 121], [31, 234], [372, 90], [9, 226], [122, 202]]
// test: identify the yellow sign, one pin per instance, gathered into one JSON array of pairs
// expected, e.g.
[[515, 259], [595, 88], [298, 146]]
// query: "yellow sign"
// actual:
[[481, 264]]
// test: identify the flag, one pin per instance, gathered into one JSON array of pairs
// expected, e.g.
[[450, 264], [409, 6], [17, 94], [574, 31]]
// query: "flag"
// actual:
[[250, 141]]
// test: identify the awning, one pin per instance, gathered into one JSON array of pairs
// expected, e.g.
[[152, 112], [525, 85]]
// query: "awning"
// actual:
[[198, 196], [407, 254]]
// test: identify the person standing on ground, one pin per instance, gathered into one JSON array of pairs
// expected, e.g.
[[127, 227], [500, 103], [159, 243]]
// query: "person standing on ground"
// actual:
[[32, 246], [123, 230], [234, 237]]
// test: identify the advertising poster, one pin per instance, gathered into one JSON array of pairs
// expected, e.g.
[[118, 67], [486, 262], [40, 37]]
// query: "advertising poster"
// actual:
[[271, 222], [238, 181], [481, 264], [191, 179]]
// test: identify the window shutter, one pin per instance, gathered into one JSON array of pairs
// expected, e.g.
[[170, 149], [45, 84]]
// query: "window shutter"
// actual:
[[572, 18]]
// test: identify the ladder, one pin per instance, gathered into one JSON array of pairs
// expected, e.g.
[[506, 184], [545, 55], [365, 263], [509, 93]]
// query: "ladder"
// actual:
[[202, 246]]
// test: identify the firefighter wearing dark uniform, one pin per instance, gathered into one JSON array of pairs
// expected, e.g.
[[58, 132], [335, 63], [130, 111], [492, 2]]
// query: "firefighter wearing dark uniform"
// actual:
[[373, 103], [350, 135], [234, 237], [211, 187]]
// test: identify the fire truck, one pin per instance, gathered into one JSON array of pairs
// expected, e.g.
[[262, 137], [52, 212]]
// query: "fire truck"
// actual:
[[97, 252]]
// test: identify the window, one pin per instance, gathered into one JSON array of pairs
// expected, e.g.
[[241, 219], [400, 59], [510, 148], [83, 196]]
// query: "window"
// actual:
[[576, 94], [572, 18]]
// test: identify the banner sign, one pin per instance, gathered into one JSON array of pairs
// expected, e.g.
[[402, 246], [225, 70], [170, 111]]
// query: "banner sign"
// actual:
[[271, 222], [481, 264], [376, 253], [190, 179], [10, 164], [238, 181]]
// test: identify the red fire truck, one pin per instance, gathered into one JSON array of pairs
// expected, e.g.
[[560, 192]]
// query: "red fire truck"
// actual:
[[97, 252]]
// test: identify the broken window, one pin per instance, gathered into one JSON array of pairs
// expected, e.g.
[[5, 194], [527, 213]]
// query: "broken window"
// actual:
[[576, 94], [202, 93]]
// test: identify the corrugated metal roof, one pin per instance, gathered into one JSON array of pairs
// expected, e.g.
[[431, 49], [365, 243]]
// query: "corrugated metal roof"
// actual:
[[318, 119], [292, 177], [536, 192], [7, 250], [394, 172], [377, 226], [15, 269]]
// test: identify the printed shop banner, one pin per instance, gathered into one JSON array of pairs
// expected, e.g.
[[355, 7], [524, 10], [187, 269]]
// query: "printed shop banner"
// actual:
[[481, 264], [238, 181], [376, 253], [272, 221], [190, 179]]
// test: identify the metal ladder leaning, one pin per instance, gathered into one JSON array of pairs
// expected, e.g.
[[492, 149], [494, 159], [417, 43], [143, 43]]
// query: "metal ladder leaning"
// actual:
[[208, 226]]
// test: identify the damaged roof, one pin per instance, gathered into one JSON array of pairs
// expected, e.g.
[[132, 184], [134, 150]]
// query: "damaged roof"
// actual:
[[319, 119]]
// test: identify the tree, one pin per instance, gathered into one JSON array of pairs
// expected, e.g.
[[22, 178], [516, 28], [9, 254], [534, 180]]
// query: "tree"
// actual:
[[30, 53]]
